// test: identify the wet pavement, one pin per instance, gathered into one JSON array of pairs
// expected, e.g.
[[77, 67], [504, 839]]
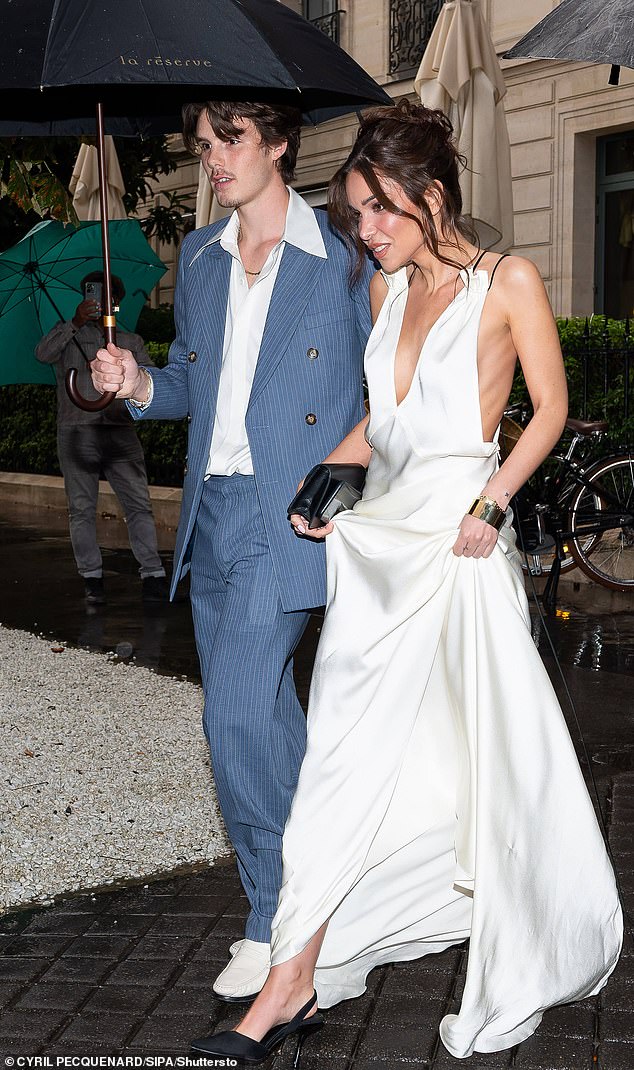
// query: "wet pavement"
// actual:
[[128, 971], [41, 592]]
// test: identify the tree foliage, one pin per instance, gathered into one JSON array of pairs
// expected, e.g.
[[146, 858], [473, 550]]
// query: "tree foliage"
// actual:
[[35, 173], [34, 177], [599, 360]]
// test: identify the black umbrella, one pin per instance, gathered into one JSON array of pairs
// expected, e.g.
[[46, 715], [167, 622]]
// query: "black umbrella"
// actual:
[[136, 62], [601, 31]]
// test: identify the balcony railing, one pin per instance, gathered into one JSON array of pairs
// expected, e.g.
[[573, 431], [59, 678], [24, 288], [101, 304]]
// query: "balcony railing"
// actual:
[[411, 24], [330, 25]]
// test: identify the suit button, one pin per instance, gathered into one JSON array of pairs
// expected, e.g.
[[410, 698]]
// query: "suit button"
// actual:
[[312, 353], [185, 470], [310, 418], [189, 419], [191, 357]]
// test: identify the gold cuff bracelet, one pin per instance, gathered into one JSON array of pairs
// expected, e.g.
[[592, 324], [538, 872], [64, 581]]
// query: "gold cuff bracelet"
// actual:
[[487, 509]]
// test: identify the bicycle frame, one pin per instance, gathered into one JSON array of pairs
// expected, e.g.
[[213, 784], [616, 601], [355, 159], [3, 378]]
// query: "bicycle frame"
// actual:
[[583, 478], [554, 500]]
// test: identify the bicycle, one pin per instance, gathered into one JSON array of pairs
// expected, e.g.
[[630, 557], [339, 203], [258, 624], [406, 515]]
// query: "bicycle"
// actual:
[[576, 512]]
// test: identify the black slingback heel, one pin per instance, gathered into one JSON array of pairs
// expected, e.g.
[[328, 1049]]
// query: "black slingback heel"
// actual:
[[248, 1052]]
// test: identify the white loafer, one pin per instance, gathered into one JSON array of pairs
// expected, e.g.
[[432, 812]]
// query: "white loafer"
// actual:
[[245, 974]]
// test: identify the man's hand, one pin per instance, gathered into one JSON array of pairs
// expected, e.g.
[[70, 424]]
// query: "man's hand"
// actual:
[[86, 312], [116, 370]]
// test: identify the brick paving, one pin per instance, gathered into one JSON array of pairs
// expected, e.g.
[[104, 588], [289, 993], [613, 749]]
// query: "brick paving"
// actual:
[[129, 972]]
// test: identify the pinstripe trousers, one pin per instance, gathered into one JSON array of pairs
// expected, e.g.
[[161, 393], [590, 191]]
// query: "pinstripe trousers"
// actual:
[[252, 718]]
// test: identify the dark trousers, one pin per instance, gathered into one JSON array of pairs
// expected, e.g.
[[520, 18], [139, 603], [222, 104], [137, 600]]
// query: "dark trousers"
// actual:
[[84, 453]]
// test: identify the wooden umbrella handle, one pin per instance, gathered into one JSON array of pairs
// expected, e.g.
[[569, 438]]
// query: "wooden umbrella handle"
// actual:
[[88, 405], [80, 401]]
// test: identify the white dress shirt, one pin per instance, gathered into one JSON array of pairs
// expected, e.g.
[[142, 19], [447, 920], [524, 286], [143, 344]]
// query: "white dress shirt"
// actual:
[[247, 309]]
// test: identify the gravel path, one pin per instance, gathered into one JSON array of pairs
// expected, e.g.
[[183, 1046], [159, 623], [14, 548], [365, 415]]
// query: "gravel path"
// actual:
[[104, 772]]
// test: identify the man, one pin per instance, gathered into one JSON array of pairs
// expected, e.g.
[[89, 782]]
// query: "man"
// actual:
[[267, 363], [91, 443]]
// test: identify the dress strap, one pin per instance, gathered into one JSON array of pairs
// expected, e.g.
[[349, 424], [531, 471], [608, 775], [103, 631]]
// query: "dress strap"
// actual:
[[483, 253], [504, 255]]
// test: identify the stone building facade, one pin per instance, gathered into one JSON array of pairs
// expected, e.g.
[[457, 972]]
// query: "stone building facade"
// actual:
[[572, 145]]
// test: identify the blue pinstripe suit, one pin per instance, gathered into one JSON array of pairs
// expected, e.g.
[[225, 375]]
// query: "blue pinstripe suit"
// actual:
[[252, 579]]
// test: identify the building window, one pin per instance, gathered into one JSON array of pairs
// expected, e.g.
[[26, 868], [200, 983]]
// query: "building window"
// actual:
[[615, 226], [325, 15], [411, 24]]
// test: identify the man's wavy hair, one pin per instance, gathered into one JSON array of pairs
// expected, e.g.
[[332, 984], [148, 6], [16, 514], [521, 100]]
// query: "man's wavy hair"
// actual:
[[413, 147], [273, 123]]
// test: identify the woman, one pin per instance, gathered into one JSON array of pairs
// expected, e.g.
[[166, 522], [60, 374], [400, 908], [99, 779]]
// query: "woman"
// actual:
[[440, 797]]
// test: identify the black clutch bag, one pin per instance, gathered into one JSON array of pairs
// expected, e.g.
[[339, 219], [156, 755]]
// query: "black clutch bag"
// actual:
[[327, 489]]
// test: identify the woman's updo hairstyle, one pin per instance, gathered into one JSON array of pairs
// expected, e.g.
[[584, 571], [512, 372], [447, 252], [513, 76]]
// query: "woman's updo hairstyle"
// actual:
[[412, 146]]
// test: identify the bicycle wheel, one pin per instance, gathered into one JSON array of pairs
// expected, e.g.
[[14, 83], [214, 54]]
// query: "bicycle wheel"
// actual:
[[594, 517]]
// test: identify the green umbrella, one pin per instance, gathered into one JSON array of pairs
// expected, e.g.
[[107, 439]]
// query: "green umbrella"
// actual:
[[40, 285]]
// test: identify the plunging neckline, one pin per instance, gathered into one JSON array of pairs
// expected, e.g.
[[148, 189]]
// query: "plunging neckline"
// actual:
[[397, 404]]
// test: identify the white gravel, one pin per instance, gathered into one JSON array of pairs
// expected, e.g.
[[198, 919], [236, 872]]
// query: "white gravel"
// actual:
[[104, 772]]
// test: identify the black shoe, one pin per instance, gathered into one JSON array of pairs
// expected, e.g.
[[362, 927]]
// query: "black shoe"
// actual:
[[247, 1052], [155, 589], [93, 590]]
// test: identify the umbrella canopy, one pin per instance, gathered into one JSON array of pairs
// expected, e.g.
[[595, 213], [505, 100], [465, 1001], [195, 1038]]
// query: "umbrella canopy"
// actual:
[[84, 183], [460, 75], [40, 285], [62, 56], [601, 31]]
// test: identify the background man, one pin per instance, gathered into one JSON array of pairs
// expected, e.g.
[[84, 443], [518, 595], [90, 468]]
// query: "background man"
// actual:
[[267, 362], [92, 443]]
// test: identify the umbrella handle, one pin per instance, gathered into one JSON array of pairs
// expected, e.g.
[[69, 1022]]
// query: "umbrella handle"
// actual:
[[93, 405], [82, 402]]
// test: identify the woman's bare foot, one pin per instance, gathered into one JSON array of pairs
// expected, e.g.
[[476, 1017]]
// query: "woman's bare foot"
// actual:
[[289, 987], [279, 1001]]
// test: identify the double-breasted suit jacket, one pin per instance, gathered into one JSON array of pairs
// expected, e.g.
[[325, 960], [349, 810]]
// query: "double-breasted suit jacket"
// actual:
[[306, 394]]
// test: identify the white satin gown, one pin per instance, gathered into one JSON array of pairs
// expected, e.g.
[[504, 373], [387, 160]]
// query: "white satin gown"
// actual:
[[440, 797]]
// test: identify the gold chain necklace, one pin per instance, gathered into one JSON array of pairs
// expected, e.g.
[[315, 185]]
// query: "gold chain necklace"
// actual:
[[253, 274]]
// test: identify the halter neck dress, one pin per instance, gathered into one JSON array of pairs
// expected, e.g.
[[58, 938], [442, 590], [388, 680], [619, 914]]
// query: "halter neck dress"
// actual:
[[440, 798]]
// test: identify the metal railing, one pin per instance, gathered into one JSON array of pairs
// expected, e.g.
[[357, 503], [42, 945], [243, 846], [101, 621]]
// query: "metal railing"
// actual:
[[606, 372], [330, 25], [411, 25]]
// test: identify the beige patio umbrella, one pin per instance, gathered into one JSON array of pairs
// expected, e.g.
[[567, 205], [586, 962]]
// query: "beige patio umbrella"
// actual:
[[460, 75], [207, 208], [84, 183]]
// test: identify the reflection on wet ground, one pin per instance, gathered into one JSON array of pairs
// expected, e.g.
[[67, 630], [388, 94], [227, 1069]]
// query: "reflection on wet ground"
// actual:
[[586, 640], [41, 592]]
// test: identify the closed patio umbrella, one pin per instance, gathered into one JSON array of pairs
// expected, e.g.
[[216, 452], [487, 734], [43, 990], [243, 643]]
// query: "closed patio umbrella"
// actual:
[[460, 75], [84, 183]]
